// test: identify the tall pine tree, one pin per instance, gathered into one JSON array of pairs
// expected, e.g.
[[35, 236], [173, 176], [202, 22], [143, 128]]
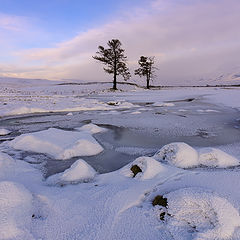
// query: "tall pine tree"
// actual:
[[146, 69], [114, 59]]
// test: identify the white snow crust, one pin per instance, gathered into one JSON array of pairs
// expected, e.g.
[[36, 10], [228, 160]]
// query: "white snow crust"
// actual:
[[58, 143]]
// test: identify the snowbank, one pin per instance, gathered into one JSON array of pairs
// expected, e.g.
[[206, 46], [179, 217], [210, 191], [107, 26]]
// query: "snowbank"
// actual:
[[178, 154], [213, 157], [16, 211], [91, 128], [184, 156], [162, 104], [149, 168], [58, 143], [57, 104], [79, 171], [202, 213], [4, 132]]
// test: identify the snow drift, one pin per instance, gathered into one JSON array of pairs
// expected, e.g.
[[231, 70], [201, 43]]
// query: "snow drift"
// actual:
[[58, 143], [200, 213], [182, 155], [148, 168], [79, 171], [213, 157], [178, 154]]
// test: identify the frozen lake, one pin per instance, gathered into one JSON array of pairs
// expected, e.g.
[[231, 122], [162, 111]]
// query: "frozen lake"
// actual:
[[141, 130]]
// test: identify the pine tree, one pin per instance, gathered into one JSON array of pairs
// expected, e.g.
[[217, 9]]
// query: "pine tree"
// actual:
[[114, 59], [146, 69]]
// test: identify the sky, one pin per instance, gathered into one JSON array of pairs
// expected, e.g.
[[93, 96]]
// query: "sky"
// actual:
[[193, 41]]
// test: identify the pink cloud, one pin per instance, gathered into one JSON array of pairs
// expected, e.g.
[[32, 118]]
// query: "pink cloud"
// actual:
[[191, 40]]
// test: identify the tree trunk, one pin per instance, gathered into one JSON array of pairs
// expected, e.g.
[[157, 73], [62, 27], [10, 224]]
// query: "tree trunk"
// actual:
[[115, 79], [115, 71], [148, 80]]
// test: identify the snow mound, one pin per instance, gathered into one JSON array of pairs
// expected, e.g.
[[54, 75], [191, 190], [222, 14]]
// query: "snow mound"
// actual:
[[202, 213], [91, 128], [213, 157], [149, 168], [178, 154], [4, 132], [58, 143], [16, 211], [79, 171], [162, 104]]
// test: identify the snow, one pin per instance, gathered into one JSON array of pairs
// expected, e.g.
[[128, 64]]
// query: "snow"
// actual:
[[79, 171], [58, 143], [178, 154], [5, 162], [161, 104], [136, 112], [184, 156], [16, 211], [91, 128], [213, 157], [208, 215], [149, 166], [203, 203], [4, 132]]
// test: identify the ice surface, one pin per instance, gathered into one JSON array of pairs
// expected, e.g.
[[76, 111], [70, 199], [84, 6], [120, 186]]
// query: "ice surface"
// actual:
[[58, 143], [80, 171]]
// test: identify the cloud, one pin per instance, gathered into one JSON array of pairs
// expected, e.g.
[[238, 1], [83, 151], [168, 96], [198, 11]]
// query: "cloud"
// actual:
[[13, 23], [191, 39]]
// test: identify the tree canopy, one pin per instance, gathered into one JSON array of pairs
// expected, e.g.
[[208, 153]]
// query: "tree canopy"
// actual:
[[146, 69], [114, 59]]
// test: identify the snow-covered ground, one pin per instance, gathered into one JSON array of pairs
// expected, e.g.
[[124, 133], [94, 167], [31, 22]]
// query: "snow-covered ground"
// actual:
[[83, 162]]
